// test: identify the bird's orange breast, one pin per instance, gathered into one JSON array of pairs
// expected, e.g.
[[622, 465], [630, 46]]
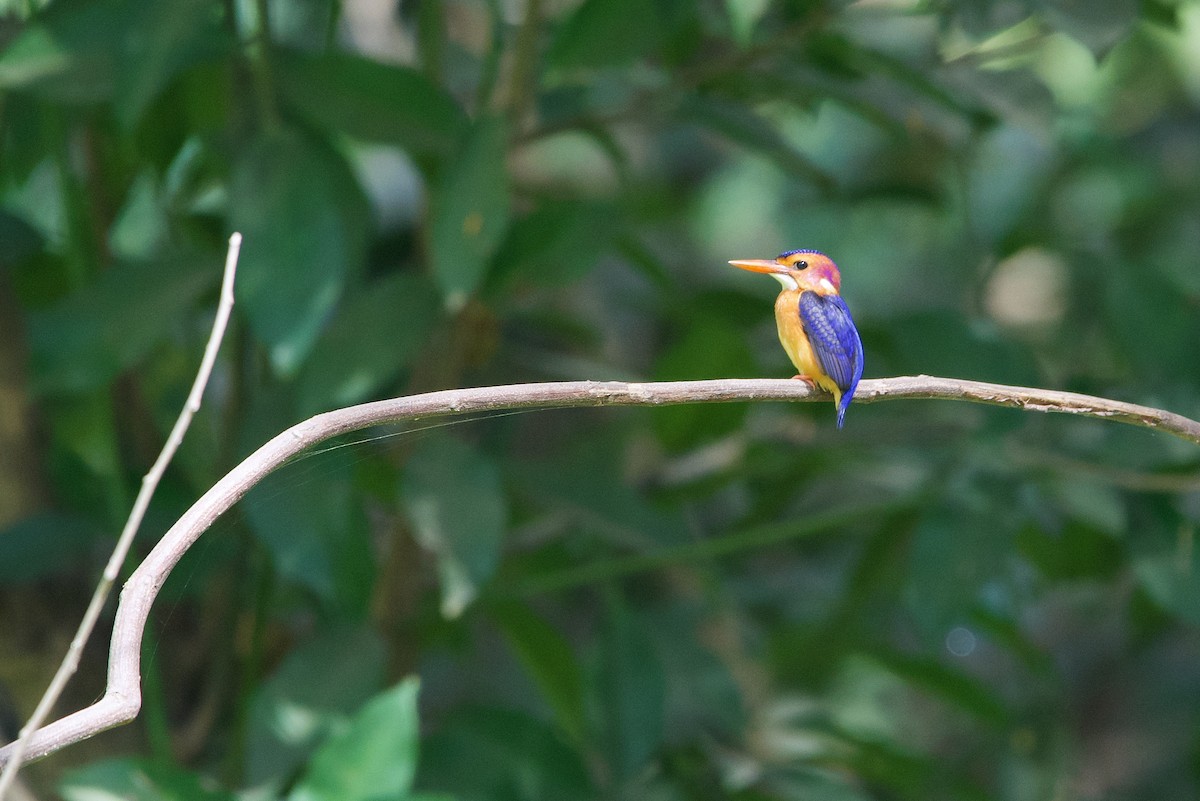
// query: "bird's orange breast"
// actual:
[[795, 341]]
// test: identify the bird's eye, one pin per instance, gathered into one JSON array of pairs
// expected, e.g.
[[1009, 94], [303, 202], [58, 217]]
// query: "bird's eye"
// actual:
[[801, 265]]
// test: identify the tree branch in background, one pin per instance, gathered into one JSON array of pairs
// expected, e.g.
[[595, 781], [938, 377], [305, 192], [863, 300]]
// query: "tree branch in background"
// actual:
[[122, 699], [14, 753]]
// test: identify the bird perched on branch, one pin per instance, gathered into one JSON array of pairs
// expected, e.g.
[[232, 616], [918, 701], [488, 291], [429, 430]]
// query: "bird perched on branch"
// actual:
[[815, 326]]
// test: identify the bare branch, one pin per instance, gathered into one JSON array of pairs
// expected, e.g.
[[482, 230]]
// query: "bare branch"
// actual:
[[15, 752], [122, 699]]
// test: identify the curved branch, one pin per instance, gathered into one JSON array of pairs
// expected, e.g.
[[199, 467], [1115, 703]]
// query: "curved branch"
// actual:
[[122, 699]]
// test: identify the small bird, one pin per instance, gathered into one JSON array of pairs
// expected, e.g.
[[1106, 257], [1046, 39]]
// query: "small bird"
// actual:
[[815, 326]]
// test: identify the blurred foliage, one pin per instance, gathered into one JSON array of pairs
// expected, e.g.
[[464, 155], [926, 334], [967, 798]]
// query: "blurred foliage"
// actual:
[[713, 602]]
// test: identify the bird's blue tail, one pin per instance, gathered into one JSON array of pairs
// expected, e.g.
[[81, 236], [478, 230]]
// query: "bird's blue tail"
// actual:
[[844, 402]]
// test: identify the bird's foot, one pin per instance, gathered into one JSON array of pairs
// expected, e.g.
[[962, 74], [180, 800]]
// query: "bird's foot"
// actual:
[[806, 379]]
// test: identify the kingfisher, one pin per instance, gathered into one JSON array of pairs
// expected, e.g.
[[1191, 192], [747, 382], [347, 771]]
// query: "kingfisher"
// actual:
[[815, 326]]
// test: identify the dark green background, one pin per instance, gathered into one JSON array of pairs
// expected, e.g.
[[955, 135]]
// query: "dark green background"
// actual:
[[941, 601]]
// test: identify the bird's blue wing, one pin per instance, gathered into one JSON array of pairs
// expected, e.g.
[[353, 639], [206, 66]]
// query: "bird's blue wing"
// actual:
[[835, 342]]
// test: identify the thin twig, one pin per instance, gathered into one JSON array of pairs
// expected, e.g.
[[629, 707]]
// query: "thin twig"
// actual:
[[122, 699], [17, 750]]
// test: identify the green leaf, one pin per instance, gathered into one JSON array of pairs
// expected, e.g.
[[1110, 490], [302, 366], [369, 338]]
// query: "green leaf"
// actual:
[[740, 124], [744, 16], [1076, 552], [318, 684], [374, 758], [373, 337], [371, 101], [631, 690], [458, 510], [137, 780], [163, 40], [315, 530], [83, 52], [607, 33], [69, 52], [140, 228], [304, 220], [1166, 561], [547, 656], [587, 163], [896, 764], [86, 339], [557, 243], [306, 25], [86, 454], [469, 212], [44, 545], [809, 783], [1098, 25], [1170, 586], [954, 686], [18, 239], [1092, 503], [513, 756]]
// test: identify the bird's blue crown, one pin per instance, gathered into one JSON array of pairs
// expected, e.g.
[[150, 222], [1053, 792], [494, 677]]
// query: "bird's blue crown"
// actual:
[[787, 253]]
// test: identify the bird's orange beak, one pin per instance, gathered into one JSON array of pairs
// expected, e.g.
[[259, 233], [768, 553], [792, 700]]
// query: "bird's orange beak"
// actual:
[[760, 265]]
